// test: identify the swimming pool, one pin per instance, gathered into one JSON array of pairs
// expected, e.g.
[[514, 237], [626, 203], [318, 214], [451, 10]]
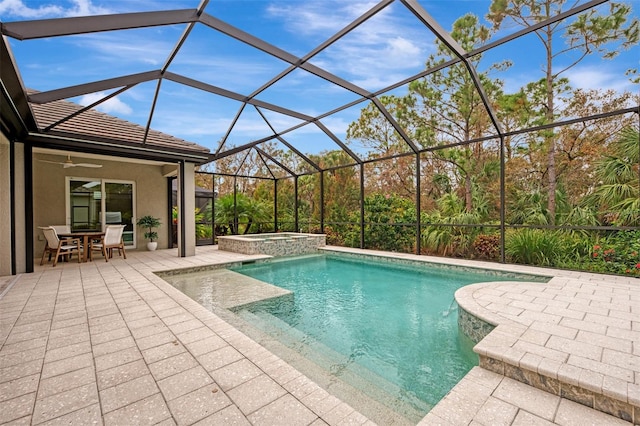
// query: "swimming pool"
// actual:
[[387, 330]]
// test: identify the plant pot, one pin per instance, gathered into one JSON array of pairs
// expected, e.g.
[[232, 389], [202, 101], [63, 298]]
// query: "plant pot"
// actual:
[[152, 245]]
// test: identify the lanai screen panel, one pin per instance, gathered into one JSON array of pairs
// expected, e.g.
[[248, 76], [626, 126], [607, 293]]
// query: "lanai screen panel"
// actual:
[[389, 205], [341, 203], [309, 203], [388, 47], [597, 176], [211, 123], [295, 161], [307, 93], [57, 62]]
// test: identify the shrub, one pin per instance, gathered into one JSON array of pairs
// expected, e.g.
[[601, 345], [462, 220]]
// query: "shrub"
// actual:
[[533, 247], [333, 238], [487, 247], [618, 253], [385, 216]]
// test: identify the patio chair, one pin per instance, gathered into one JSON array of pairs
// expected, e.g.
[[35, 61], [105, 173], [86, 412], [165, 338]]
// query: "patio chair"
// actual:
[[62, 229], [57, 247], [111, 239]]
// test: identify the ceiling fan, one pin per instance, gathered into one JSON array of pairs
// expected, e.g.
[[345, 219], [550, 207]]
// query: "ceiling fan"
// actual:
[[68, 163]]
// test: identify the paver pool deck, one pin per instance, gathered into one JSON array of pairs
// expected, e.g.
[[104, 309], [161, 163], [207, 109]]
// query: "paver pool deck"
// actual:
[[113, 343]]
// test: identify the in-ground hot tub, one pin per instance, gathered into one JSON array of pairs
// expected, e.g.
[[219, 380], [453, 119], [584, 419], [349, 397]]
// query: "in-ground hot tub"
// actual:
[[278, 244]]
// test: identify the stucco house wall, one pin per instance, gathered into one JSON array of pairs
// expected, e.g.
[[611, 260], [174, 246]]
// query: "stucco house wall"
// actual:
[[5, 208], [49, 181], [7, 255]]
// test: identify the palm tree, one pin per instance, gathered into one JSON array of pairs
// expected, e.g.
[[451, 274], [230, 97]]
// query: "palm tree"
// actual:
[[255, 212], [244, 211], [225, 212], [618, 193], [452, 210]]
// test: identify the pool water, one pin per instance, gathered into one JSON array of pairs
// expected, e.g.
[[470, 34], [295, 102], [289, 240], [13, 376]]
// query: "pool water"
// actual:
[[390, 326]]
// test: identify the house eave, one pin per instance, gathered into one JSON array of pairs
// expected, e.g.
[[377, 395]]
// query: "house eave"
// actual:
[[114, 148]]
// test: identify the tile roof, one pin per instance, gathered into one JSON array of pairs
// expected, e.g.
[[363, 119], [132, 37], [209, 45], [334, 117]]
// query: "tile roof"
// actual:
[[95, 124]]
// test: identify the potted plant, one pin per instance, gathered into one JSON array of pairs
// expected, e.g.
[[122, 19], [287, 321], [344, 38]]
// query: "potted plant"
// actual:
[[149, 222]]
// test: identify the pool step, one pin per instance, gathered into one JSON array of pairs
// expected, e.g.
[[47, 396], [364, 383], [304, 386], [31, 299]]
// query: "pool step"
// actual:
[[570, 367], [568, 387], [343, 370]]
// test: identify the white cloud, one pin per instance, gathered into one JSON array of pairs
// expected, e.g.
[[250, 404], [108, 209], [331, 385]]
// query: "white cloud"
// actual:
[[386, 46], [337, 124], [126, 47], [189, 125], [586, 77], [318, 16], [18, 9], [86, 8], [233, 73], [516, 80], [375, 63], [111, 106], [598, 77]]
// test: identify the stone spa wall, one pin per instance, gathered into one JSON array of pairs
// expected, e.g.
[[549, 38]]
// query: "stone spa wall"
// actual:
[[278, 244]]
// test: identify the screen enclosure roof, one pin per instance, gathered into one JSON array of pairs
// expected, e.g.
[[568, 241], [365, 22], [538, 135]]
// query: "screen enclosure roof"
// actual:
[[283, 81]]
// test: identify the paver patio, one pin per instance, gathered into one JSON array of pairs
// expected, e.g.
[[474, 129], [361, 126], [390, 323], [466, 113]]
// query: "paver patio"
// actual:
[[112, 343]]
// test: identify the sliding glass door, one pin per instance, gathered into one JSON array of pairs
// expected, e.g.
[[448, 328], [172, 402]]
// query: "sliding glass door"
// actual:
[[118, 208], [94, 203], [84, 205]]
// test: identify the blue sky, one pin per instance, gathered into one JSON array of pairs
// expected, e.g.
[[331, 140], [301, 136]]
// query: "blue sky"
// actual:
[[390, 47]]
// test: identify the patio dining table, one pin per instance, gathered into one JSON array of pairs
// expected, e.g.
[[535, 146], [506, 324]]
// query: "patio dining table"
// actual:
[[85, 235]]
